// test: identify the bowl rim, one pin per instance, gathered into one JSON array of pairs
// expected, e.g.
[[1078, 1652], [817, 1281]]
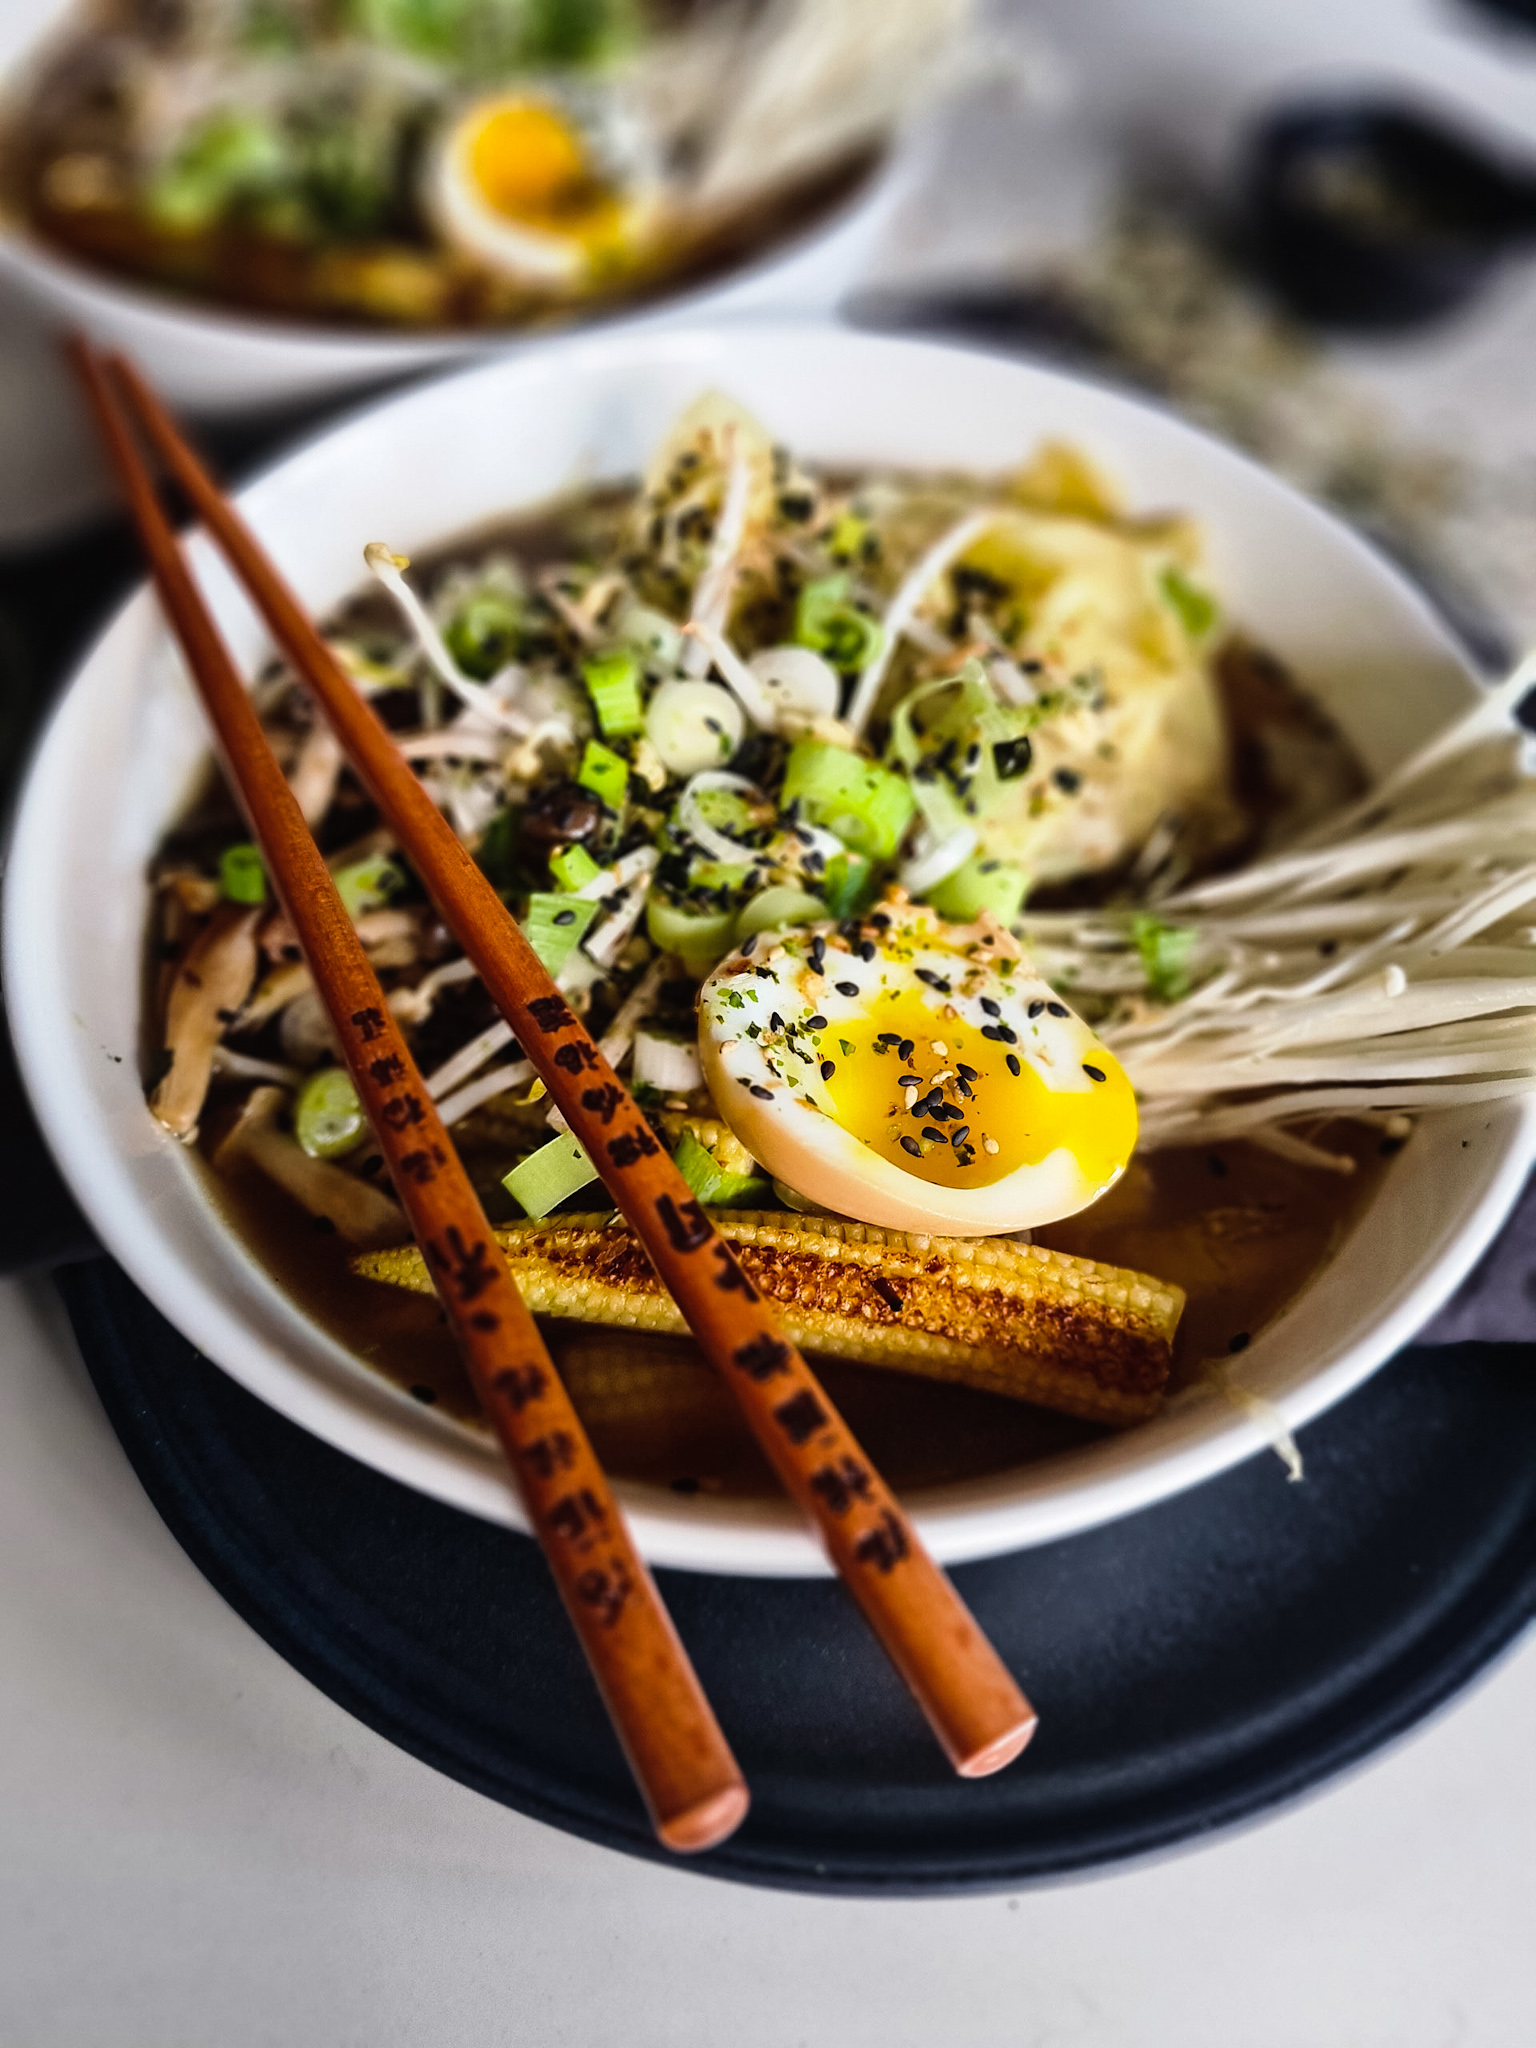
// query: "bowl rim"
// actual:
[[697, 1532], [28, 253]]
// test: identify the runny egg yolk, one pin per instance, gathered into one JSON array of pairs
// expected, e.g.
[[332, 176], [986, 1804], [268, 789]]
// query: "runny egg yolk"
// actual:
[[530, 165], [970, 1119]]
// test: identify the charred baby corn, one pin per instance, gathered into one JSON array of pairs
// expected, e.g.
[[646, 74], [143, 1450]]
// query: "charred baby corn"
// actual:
[[1090, 1340]]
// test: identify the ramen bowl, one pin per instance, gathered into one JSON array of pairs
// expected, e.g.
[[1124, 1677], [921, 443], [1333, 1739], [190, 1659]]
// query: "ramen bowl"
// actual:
[[118, 760], [219, 362]]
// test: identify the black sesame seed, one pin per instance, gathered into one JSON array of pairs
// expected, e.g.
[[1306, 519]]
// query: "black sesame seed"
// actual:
[[1068, 781], [1057, 1009], [1013, 1064], [958, 1138], [762, 1094], [933, 980], [888, 1038], [937, 1136], [911, 1145], [992, 1009], [1093, 1073], [993, 1031], [905, 1048], [880, 921], [746, 946], [851, 988], [966, 1073], [1036, 1007], [828, 1069], [775, 1022], [564, 917], [865, 949], [909, 1081], [1239, 1342], [964, 1088], [816, 1023]]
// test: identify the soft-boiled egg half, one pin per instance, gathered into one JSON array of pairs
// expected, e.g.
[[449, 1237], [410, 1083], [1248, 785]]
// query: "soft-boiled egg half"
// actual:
[[535, 188], [914, 1076]]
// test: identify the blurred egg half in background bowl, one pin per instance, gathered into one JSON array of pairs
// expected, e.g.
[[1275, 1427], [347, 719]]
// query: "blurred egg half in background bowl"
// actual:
[[268, 202]]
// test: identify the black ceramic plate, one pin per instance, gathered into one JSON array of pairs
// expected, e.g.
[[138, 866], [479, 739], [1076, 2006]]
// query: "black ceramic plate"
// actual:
[[1193, 1664]]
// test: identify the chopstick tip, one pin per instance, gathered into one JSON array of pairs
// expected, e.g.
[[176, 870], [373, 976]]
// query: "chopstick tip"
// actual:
[[708, 1822]]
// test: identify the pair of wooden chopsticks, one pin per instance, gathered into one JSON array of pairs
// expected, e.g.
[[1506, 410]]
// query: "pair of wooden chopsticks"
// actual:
[[979, 1714]]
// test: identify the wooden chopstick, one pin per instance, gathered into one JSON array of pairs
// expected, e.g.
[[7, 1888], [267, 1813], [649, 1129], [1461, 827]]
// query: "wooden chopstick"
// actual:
[[680, 1759], [979, 1714]]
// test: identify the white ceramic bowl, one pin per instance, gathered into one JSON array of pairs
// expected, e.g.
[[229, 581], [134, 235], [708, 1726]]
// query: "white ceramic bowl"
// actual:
[[218, 363], [117, 759]]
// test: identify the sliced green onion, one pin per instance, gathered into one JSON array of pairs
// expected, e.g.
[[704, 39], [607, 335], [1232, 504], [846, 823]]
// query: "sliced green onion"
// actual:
[[656, 638], [826, 620], [328, 1119], [849, 884], [710, 1181], [777, 907], [484, 634], [1196, 610], [694, 726], [867, 806], [367, 883], [849, 532], [242, 875], [555, 926], [542, 1181], [1165, 951], [613, 682], [701, 937], [573, 867], [981, 884], [606, 774], [666, 1063]]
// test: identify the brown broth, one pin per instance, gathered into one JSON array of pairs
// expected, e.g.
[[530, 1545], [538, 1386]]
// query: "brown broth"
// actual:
[[1242, 1231]]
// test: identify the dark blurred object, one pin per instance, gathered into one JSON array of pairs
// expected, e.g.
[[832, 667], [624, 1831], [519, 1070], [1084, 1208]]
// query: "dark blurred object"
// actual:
[[1373, 215], [1521, 12]]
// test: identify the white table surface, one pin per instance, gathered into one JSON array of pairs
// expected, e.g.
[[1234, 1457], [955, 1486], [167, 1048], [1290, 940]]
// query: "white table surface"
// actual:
[[198, 1850]]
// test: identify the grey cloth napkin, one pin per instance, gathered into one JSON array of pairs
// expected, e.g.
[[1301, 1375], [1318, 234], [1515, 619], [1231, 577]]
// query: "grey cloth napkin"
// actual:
[[1496, 1303]]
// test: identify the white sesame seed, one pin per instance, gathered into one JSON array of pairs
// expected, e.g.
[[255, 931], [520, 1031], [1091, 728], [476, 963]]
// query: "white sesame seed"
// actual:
[[989, 1145]]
